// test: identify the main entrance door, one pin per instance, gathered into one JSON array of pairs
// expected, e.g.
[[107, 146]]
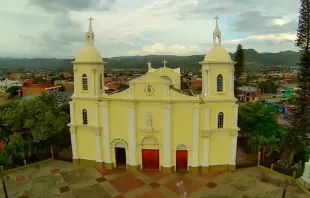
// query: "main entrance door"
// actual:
[[120, 157], [181, 160], [150, 159]]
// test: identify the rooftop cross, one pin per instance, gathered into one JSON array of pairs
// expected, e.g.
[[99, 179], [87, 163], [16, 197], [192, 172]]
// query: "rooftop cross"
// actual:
[[90, 20], [216, 18], [165, 63]]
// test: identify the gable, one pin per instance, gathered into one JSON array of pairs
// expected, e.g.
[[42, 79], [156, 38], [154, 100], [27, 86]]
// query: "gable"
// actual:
[[149, 78]]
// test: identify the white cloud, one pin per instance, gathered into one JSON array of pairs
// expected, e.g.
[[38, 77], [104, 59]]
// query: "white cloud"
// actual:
[[139, 26], [162, 49]]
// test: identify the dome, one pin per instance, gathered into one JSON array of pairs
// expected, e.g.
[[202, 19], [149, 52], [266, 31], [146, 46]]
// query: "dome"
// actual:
[[88, 54], [218, 54]]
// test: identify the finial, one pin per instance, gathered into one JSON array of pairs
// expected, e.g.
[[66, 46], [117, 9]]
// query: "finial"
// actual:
[[164, 63], [217, 32], [216, 19], [90, 20]]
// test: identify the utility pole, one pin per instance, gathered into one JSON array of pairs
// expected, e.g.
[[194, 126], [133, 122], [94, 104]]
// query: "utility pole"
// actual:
[[3, 181]]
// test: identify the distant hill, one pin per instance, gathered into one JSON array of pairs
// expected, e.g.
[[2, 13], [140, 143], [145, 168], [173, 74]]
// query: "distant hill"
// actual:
[[253, 59]]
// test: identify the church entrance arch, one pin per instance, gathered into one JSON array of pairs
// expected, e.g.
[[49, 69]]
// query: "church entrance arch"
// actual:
[[120, 155], [181, 158], [150, 153]]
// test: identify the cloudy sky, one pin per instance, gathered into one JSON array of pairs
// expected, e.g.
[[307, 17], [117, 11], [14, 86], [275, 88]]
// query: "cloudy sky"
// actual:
[[56, 28]]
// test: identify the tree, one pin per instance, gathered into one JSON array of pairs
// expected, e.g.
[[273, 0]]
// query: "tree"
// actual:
[[12, 90], [297, 138], [260, 124], [239, 66]]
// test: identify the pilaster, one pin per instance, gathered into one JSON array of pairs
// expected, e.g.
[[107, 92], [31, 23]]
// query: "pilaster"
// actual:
[[195, 148], [234, 138], [232, 81], [73, 143], [106, 134], [207, 118], [132, 144], [75, 76], [94, 82], [98, 146], [96, 115], [72, 106], [205, 152], [167, 137]]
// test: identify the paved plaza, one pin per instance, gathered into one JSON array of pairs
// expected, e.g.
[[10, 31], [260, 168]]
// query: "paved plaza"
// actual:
[[58, 179]]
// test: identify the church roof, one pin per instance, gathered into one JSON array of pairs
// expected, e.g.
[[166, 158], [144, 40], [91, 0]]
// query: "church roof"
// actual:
[[217, 54], [88, 54]]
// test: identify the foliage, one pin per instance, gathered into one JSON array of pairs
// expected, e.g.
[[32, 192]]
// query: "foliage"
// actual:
[[297, 137], [31, 126], [268, 86], [261, 124], [12, 90], [239, 66]]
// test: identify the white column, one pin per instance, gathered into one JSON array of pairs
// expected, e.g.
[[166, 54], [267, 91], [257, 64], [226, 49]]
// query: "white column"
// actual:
[[96, 121], [232, 76], [234, 148], [71, 112], [236, 115], [73, 143], [195, 149], [98, 146], [167, 92], [167, 137], [208, 83], [206, 148], [132, 143], [106, 134], [207, 118], [94, 82]]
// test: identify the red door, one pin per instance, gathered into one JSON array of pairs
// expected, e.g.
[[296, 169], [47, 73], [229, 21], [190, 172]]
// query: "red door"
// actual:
[[150, 159], [181, 160]]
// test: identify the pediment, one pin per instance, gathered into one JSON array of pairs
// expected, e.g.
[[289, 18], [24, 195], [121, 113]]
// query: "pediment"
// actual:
[[149, 78], [179, 95]]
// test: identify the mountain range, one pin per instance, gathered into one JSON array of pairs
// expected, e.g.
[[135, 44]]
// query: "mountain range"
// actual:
[[253, 60]]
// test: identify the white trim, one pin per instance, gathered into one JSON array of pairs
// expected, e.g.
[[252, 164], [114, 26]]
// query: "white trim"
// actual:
[[167, 137], [167, 92], [98, 148], [207, 118], [73, 143], [96, 121], [205, 152], [106, 133], [72, 112], [75, 76], [132, 144], [233, 149], [203, 83], [195, 148]]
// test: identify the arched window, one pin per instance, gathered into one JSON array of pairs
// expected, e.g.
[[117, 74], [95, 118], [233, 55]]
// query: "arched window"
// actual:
[[84, 82], [219, 83], [220, 120], [85, 119], [101, 82]]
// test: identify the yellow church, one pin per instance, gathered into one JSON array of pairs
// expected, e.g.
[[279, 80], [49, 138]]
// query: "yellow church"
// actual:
[[154, 124]]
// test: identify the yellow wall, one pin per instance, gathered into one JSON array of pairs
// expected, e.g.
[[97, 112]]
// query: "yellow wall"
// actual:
[[220, 148], [85, 143]]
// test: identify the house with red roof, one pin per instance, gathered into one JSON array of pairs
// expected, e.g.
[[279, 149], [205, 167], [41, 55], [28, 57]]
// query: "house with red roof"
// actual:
[[37, 89]]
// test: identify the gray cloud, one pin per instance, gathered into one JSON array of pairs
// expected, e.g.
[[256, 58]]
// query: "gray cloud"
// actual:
[[74, 5], [255, 22]]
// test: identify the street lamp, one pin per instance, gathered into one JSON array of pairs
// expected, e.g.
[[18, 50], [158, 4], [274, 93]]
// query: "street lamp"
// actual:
[[3, 179]]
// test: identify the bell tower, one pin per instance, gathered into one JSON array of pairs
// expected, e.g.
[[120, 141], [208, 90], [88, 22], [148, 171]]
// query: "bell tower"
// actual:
[[90, 36]]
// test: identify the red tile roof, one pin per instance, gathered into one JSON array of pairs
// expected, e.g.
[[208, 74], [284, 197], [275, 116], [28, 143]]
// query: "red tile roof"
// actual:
[[12, 78]]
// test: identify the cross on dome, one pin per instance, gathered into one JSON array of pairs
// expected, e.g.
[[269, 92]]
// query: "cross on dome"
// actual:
[[217, 32], [90, 20], [216, 19], [164, 63]]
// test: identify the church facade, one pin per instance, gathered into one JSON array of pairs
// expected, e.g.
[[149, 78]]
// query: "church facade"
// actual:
[[154, 124]]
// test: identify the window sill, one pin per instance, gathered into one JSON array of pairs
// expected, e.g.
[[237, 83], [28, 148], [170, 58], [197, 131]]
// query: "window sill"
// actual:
[[220, 92]]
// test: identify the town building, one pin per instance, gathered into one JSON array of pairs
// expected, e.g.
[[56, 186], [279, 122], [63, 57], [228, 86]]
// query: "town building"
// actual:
[[153, 124], [248, 94], [7, 83]]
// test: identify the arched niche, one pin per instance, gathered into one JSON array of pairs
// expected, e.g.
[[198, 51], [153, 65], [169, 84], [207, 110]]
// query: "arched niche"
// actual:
[[181, 147], [119, 145]]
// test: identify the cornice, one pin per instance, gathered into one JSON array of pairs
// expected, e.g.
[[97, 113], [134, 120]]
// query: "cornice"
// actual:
[[223, 131], [91, 127]]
